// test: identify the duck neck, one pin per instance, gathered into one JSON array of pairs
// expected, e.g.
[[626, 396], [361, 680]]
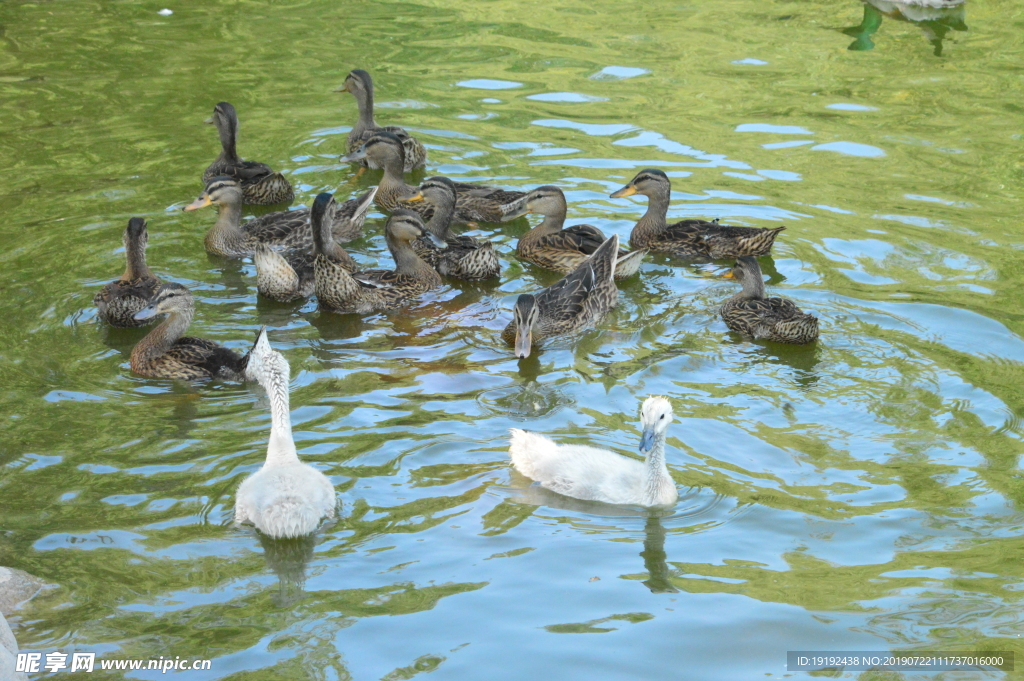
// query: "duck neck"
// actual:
[[441, 222], [656, 472], [135, 251], [226, 234], [655, 219], [158, 341], [409, 264], [364, 100], [228, 132], [551, 224], [753, 286], [281, 448], [394, 173], [324, 243]]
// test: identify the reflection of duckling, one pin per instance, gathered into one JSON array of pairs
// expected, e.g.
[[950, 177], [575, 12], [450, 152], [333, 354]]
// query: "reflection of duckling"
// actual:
[[655, 559], [752, 313], [285, 498], [935, 18], [597, 474], [119, 300], [260, 184]]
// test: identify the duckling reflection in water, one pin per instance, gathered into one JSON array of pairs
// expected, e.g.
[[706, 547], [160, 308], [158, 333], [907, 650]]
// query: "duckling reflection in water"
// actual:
[[285, 498], [599, 475]]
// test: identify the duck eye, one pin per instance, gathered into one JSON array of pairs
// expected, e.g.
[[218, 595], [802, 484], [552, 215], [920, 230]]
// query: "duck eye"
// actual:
[[661, 417]]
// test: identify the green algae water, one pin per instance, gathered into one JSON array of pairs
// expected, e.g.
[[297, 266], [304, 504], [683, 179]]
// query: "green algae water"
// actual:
[[862, 493]]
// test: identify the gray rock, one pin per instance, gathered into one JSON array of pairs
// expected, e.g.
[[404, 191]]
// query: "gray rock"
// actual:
[[16, 586]]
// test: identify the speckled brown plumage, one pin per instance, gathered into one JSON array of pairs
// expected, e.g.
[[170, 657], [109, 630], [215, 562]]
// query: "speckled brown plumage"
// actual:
[[359, 83], [283, 230], [119, 300], [698, 239], [260, 184], [166, 353], [553, 247], [368, 290], [474, 202], [465, 257], [753, 314], [574, 302]]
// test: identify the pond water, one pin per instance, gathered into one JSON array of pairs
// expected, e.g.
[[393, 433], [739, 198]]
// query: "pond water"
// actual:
[[863, 493]]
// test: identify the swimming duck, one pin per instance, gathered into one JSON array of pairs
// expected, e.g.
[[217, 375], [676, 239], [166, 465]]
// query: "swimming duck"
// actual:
[[550, 246], [119, 300], [749, 312], [288, 275], [359, 83], [473, 203], [688, 238], [285, 498], [369, 290], [260, 184], [283, 230], [465, 258], [166, 352], [579, 299], [598, 474]]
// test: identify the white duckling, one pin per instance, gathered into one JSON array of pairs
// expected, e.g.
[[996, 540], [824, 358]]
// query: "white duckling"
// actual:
[[285, 498], [597, 474]]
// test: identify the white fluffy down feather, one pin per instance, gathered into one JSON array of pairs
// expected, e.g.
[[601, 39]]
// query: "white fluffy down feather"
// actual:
[[285, 498]]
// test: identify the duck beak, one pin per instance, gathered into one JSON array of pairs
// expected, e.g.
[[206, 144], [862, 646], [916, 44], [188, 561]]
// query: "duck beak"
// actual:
[[729, 275], [147, 312], [524, 339], [647, 440], [202, 202], [628, 190], [415, 198], [209, 121], [516, 215], [357, 155], [434, 240], [343, 88]]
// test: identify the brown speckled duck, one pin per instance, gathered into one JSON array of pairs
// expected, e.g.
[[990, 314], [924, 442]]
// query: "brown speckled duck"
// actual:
[[550, 246], [474, 202], [359, 83], [369, 290], [466, 257], [283, 230], [166, 352], [753, 314], [119, 300], [572, 303], [260, 184], [688, 238]]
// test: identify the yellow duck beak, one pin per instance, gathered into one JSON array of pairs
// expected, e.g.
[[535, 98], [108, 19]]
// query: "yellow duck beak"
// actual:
[[628, 190], [202, 202], [415, 198], [729, 275]]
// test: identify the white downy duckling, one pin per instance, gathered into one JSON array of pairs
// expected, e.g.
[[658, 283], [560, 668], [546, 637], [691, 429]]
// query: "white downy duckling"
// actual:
[[600, 475], [285, 498]]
